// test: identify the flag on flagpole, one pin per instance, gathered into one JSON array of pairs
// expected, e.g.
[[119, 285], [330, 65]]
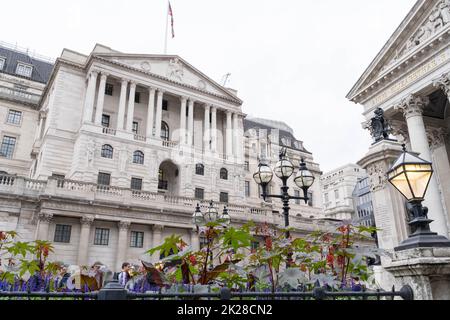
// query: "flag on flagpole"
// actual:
[[171, 20]]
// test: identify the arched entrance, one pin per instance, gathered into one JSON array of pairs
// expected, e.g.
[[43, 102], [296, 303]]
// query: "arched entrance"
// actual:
[[168, 178]]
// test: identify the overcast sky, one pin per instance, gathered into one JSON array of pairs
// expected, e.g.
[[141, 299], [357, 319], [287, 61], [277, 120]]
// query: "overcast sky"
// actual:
[[290, 60]]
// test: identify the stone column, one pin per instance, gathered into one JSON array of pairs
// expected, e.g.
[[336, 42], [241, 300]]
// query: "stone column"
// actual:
[[412, 108], [122, 102], [44, 219], [190, 133], [83, 245], [437, 138], [236, 136], [130, 115], [90, 96], [158, 118], [182, 135], [150, 112], [195, 240], [214, 129], [122, 243], [100, 99], [207, 131], [229, 139], [157, 240]]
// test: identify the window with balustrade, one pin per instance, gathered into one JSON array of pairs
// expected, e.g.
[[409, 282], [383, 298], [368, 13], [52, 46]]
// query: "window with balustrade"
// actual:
[[104, 179], [247, 189], [224, 197], [136, 184], [62, 233], [14, 117], [163, 184], [200, 169], [106, 119], [8, 146], [138, 157], [135, 128], [164, 131], [224, 174], [107, 151], [199, 193]]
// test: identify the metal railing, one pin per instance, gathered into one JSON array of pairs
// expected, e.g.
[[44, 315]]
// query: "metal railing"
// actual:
[[114, 291]]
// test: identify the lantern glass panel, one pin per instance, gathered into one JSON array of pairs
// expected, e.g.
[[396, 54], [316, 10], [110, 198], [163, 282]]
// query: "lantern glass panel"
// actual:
[[284, 169]]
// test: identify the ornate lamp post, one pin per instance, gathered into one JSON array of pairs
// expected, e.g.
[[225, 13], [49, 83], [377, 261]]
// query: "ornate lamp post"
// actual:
[[410, 175], [284, 169], [211, 215]]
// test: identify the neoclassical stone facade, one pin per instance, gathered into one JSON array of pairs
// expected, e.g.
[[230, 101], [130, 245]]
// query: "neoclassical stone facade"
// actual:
[[124, 146], [410, 80]]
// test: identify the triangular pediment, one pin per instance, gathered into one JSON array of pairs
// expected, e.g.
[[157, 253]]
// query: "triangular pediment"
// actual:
[[426, 20], [172, 68]]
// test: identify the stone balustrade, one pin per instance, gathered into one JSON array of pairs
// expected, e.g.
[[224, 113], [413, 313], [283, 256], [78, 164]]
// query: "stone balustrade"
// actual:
[[64, 188]]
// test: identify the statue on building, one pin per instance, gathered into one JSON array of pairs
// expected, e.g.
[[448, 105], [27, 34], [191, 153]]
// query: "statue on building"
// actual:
[[90, 153], [175, 69], [379, 126]]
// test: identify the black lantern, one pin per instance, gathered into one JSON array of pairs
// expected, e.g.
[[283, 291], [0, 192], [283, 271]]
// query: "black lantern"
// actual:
[[411, 175]]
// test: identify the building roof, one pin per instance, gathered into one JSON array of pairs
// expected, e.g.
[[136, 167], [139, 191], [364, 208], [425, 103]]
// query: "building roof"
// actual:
[[286, 137], [41, 69]]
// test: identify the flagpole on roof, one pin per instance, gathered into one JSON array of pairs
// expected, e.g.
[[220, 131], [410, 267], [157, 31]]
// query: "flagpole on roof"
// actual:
[[167, 28]]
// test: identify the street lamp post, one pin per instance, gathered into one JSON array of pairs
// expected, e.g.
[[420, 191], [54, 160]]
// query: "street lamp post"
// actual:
[[284, 169], [410, 175], [211, 215]]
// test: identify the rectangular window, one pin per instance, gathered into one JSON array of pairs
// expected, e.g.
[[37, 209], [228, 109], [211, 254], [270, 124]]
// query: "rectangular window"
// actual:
[[105, 120], [137, 97], [199, 193], [136, 184], [297, 194], [7, 148], [60, 179], [104, 179], [224, 197], [62, 233], [2, 63], [326, 197], [135, 128], [165, 105], [310, 199], [336, 194], [246, 166], [137, 239], [24, 70], [14, 117], [101, 237], [247, 189], [109, 89]]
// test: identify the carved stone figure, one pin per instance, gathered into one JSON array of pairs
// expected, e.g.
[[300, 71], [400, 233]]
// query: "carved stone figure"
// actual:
[[90, 153], [379, 126], [175, 69], [444, 9]]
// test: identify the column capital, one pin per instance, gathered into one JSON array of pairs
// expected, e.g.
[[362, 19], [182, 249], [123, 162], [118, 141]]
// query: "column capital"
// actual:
[[183, 99], [151, 89], [133, 83], [45, 216], [192, 101], [161, 91], [213, 108], [124, 81], [104, 75], [124, 225], [412, 105], [436, 137], [443, 83], [207, 106], [87, 221]]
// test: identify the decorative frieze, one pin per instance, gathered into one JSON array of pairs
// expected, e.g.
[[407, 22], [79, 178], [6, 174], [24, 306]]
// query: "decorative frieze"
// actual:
[[400, 131], [45, 217], [124, 225], [86, 221], [377, 175]]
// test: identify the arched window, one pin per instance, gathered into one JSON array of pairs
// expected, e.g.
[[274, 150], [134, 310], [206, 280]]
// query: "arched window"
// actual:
[[107, 151], [138, 157], [200, 169], [224, 174], [164, 131]]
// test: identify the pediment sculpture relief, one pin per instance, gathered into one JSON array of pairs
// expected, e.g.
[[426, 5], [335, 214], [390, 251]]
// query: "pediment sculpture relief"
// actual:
[[175, 70], [437, 20]]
